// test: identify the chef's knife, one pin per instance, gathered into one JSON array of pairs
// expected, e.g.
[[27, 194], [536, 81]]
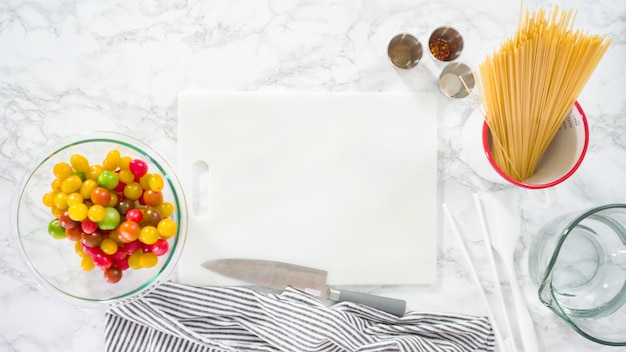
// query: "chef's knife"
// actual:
[[278, 275]]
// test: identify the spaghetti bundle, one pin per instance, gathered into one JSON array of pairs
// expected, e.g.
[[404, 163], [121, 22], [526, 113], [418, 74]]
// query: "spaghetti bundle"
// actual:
[[529, 85]]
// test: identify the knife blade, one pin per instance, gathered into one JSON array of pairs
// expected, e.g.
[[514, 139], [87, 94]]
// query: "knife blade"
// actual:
[[279, 275]]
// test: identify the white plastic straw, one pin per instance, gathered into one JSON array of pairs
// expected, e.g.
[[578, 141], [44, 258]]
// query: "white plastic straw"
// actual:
[[498, 289], [467, 258]]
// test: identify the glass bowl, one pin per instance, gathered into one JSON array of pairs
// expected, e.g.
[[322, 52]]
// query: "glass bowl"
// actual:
[[58, 262]]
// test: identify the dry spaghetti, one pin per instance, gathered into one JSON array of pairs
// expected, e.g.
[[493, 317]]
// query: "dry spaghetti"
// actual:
[[529, 85]]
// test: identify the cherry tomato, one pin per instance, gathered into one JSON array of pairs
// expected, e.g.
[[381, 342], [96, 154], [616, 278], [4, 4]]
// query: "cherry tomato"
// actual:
[[62, 170], [89, 226], [56, 185], [111, 219], [102, 260], [78, 212], [148, 235], [108, 179], [71, 184], [96, 213], [120, 187], [125, 206], [108, 246], [74, 234], [90, 251], [134, 260], [132, 247], [138, 167], [86, 263], [112, 160], [144, 181], [166, 209], [122, 264], [79, 162], [167, 228], [74, 198], [151, 216], [101, 196], [56, 230], [133, 191], [93, 171], [152, 198], [155, 182], [134, 215], [60, 200], [148, 260], [160, 247], [125, 162], [48, 199], [128, 231], [67, 222], [91, 240]]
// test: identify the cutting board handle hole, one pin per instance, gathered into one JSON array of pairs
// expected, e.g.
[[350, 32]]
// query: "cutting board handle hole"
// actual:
[[200, 188]]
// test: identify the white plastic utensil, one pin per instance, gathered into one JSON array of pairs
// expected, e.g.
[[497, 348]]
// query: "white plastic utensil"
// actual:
[[483, 296], [494, 272], [503, 223]]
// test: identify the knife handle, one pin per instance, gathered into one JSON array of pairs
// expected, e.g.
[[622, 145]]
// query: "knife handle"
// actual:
[[394, 306]]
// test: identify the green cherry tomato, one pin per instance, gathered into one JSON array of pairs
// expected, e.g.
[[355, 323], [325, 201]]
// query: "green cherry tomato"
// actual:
[[111, 219], [108, 179], [56, 230]]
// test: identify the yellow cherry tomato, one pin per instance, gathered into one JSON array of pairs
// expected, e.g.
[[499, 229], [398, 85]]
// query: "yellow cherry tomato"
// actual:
[[126, 176], [96, 213], [133, 191], [71, 184], [148, 260], [112, 160], [134, 260], [60, 200], [144, 181], [74, 198], [48, 199], [87, 263], [167, 228], [79, 162], [77, 212], [93, 171], [148, 235], [62, 170], [86, 188], [56, 185], [166, 209], [155, 182], [108, 246], [124, 162]]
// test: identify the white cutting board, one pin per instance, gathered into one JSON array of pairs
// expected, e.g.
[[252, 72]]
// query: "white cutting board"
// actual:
[[345, 182]]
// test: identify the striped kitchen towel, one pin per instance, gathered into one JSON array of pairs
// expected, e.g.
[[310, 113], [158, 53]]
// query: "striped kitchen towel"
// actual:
[[176, 317]]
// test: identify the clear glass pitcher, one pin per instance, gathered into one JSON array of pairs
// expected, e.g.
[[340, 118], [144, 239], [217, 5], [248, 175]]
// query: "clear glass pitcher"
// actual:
[[578, 261]]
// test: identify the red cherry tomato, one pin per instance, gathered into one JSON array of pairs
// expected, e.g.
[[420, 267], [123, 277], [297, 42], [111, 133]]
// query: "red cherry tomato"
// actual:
[[132, 247], [88, 226], [66, 222], [138, 167], [160, 247], [134, 215]]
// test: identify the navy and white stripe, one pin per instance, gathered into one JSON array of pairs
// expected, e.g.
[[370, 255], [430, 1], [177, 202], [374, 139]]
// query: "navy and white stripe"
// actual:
[[175, 317]]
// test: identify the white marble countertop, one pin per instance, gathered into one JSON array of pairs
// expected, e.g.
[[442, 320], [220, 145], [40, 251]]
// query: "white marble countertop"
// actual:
[[74, 66]]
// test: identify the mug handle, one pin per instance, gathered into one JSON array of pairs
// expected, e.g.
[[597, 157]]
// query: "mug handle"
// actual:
[[544, 198]]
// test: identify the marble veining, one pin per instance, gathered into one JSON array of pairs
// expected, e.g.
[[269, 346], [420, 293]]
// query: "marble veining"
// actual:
[[74, 66]]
